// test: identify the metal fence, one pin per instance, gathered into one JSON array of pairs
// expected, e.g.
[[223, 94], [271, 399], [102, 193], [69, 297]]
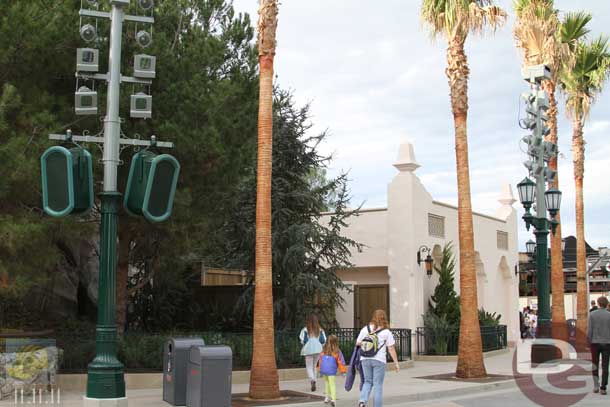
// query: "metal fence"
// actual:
[[144, 351], [440, 341]]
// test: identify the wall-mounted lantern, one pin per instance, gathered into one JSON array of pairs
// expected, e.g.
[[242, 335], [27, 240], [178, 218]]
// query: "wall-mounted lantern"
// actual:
[[428, 260]]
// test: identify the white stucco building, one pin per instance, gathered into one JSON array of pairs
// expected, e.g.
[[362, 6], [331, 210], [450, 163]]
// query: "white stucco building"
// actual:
[[386, 274]]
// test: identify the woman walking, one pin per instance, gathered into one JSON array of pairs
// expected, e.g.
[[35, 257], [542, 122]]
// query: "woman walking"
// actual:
[[312, 338], [331, 363], [375, 340]]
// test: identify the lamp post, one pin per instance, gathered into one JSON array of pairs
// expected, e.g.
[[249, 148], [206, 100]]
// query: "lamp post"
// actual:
[[105, 378], [531, 193]]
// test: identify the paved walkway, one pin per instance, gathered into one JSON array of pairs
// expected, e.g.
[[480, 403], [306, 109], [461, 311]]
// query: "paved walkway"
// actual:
[[405, 388]]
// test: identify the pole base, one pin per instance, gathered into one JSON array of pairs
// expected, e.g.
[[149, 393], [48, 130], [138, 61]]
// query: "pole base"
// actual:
[[106, 381], [120, 402], [544, 353]]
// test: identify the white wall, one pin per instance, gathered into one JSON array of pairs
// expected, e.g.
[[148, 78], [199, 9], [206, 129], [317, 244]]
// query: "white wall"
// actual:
[[393, 237]]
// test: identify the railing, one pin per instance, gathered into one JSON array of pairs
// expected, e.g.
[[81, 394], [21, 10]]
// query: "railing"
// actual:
[[440, 341], [144, 352]]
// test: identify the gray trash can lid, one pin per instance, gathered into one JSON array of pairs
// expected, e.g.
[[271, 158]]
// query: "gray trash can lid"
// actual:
[[185, 343], [199, 353]]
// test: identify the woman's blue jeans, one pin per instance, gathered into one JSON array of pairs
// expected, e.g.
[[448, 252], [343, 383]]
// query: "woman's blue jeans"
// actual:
[[374, 373]]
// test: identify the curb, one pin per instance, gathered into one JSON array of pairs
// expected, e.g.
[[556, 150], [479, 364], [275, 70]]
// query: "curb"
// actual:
[[433, 395]]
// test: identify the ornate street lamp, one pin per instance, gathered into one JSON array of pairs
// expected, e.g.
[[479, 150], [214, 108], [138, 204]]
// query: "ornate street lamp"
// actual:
[[429, 261], [527, 192], [530, 247], [527, 196]]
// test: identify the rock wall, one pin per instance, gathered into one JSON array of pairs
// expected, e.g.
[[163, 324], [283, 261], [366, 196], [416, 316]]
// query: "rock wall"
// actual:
[[28, 370]]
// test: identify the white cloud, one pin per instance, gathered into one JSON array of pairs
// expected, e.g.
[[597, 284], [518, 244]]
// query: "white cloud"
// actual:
[[374, 77]]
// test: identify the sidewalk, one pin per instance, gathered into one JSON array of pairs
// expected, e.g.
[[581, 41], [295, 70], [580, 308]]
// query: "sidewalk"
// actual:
[[405, 386]]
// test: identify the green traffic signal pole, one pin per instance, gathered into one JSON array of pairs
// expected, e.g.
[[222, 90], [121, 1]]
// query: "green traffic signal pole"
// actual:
[[543, 350], [105, 379]]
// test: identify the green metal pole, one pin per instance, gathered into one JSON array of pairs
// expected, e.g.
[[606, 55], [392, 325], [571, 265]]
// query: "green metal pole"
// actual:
[[105, 373], [105, 378], [543, 282]]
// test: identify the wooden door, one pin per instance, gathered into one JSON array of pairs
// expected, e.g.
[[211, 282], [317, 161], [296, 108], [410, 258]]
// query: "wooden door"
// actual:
[[369, 298]]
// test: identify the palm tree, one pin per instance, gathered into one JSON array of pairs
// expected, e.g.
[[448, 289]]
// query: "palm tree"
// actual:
[[582, 84], [264, 381], [544, 39], [455, 19]]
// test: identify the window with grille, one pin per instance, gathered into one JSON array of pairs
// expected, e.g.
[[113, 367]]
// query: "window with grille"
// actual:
[[502, 240], [436, 225]]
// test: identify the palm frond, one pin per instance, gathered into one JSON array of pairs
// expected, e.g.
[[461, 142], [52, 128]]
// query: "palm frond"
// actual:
[[586, 79], [535, 32], [574, 27], [459, 17]]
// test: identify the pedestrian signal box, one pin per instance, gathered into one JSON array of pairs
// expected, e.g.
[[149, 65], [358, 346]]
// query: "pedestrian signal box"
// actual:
[[151, 185], [67, 181]]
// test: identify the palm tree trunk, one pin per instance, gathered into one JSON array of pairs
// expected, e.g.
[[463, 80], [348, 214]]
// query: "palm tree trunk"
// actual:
[[264, 380], [582, 305], [470, 350], [558, 317]]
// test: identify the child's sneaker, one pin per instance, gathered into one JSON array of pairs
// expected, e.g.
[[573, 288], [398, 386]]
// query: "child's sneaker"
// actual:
[[326, 400], [332, 404]]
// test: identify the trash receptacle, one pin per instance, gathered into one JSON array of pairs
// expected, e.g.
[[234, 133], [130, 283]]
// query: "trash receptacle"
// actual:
[[209, 376], [175, 363]]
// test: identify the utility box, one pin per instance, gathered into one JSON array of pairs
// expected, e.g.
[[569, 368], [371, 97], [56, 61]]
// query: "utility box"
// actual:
[[175, 363], [208, 382]]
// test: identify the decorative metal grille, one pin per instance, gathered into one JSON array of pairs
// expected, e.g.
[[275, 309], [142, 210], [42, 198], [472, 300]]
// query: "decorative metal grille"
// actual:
[[436, 225], [502, 240]]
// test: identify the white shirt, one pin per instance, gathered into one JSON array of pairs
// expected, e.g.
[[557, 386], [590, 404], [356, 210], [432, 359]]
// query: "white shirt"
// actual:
[[385, 339]]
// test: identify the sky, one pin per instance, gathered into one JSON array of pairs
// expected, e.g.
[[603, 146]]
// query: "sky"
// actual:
[[375, 78]]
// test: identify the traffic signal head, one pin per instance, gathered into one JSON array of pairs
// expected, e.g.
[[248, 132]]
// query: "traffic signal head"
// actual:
[[67, 181], [143, 38], [144, 66], [146, 4], [88, 32], [536, 74], [85, 101], [141, 106], [151, 186], [87, 59]]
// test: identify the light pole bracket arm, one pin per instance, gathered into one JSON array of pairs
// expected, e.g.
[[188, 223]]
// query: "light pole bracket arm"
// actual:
[[123, 141], [106, 15]]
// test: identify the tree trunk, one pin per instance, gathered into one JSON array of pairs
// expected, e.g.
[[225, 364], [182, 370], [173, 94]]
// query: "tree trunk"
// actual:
[[470, 350], [121, 280], [264, 380], [558, 317], [582, 304]]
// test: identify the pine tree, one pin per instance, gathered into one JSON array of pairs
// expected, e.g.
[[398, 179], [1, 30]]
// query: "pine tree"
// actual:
[[307, 251], [445, 303]]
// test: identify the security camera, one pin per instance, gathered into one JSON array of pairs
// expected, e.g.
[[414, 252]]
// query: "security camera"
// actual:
[[144, 39], [146, 4], [88, 32]]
